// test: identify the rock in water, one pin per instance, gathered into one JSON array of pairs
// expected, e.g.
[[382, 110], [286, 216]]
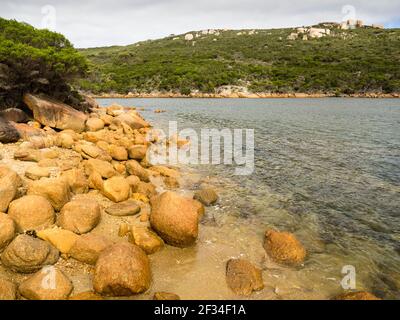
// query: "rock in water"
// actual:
[[80, 216], [27, 255], [117, 189], [31, 213], [122, 270], [9, 182], [356, 296], [283, 247], [242, 277], [55, 190], [207, 197], [55, 114], [7, 230], [8, 290], [166, 296], [175, 219], [8, 133], [122, 209], [47, 284], [88, 248]]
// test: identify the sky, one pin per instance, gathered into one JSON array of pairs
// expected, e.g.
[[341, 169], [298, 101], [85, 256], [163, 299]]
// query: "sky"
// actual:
[[89, 23]]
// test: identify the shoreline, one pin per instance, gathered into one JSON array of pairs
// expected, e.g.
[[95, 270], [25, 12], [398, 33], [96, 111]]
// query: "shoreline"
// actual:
[[241, 95]]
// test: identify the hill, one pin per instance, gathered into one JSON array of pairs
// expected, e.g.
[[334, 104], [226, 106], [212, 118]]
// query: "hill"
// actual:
[[307, 60]]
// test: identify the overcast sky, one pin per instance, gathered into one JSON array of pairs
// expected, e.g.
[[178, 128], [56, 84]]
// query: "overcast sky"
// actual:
[[89, 23]]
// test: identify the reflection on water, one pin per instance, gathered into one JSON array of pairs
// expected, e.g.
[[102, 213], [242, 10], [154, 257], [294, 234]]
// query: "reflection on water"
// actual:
[[326, 169]]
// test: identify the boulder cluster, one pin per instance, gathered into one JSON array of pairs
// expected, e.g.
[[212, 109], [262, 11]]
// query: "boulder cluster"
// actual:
[[80, 169]]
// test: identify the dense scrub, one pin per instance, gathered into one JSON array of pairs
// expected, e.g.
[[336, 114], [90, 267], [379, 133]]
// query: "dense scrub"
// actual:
[[353, 61], [37, 61]]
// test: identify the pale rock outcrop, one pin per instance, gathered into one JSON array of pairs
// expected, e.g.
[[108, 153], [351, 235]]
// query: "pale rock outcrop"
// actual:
[[55, 114]]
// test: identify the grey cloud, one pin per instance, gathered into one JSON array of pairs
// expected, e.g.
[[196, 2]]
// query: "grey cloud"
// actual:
[[89, 23]]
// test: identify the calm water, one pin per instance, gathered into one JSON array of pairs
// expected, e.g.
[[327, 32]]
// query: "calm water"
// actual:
[[326, 169]]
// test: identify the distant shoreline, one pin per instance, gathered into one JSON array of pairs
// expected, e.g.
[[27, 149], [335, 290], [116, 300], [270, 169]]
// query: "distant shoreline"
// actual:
[[241, 95]]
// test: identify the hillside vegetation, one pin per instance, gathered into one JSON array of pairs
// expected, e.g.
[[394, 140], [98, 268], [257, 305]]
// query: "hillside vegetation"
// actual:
[[37, 61], [347, 61]]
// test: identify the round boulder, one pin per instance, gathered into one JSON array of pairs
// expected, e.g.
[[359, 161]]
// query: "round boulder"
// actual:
[[242, 277], [284, 248], [55, 190], [31, 213], [175, 219], [80, 216], [122, 270], [27, 255], [94, 124]]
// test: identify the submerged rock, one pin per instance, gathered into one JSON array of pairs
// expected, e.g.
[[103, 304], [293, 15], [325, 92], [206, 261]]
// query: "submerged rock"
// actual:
[[55, 114], [126, 208], [8, 290], [283, 247], [7, 230], [47, 284], [27, 255], [80, 216], [207, 197], [31, 212], [242, 277], [122, 270], [175, 219]]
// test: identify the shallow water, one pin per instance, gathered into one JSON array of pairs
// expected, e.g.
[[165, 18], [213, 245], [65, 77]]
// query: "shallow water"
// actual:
[[327, 170]]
